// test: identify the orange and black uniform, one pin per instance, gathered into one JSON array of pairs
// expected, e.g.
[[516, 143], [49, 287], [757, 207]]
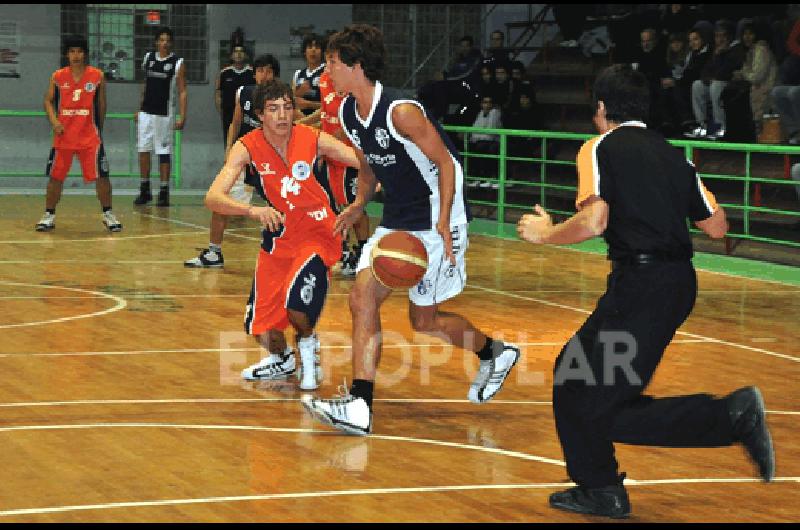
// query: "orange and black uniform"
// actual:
[[76, 109], [651, 190], [293, 263], [342, 179]]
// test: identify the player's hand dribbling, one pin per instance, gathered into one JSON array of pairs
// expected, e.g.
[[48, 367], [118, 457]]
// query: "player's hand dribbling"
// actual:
[[346, 219], [58, 128], [269, 218], [533, 227], [447, 240]]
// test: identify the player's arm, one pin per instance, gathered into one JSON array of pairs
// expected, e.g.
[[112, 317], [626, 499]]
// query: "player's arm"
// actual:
[[180, 81], [312, 120], [332, 148], [101, 103], [218, 198], [236, 124], [50, 109], [411, 123], [366, 190], [589, 222], [218, 95]]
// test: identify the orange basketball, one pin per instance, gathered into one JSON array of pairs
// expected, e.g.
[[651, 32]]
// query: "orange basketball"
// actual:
[[399, 260]]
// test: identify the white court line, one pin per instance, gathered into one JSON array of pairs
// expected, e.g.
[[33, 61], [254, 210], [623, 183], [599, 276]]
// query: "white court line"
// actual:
[[456, 445], [107, 262], [283, 400], [142, 296], [692, 335], [120, 304], [223, 350], [96, 239], [184, 223], [700, 291]]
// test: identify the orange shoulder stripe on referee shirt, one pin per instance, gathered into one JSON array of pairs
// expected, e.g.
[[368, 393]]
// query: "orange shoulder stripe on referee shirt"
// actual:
[[588, 172]]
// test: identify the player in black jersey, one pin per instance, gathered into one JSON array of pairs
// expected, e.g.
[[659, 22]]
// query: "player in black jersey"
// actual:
[[233, 76], [244, 120], [163, 72], [305, 83]]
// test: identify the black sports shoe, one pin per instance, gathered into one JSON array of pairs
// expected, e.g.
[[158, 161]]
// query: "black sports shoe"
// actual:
[[748, 417], [163, 197], [609, 501], [144, 196]]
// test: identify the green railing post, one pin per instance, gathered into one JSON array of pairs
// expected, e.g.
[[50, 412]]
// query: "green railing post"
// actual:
[[177, 165], [501, 175], [543, 173], [746, 202]]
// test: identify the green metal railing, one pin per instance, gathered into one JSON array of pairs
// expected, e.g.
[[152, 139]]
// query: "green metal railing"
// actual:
[[750, 206], [133, 170]]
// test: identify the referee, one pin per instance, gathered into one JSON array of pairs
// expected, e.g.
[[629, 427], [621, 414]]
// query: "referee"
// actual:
[[636, 190]]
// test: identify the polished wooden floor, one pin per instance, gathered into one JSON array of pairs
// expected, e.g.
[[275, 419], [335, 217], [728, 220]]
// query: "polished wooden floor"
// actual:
[[121, 398]]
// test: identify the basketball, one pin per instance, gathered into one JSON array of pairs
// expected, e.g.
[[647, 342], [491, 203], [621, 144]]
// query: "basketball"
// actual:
[[399, 260]]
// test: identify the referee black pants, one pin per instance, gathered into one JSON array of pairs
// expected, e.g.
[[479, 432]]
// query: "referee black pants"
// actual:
[[601, 401]]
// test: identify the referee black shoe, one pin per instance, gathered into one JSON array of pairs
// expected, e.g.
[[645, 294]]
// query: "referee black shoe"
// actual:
[[609, 501], [144, 196], [749, 419]]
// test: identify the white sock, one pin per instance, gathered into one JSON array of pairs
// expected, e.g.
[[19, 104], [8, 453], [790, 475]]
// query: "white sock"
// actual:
[[213, 247]]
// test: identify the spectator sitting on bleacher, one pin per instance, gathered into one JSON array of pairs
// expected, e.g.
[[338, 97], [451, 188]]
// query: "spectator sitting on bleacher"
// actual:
[[699, 54], [496, 54], [522, 115], [488, 118], [677, 58], [448, 85], [677, 18], [786, 95], [760, 70], [715, 76], [651, 61], [501, 90]]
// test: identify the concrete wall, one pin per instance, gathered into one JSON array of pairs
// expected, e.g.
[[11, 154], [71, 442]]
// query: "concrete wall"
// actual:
[[26, 141]]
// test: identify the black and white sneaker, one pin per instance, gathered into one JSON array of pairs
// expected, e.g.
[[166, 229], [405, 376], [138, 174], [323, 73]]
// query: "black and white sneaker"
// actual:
[[347, 413], [46, 223], [145, 196], [492, 374], [271, 368], [111, 222], [208, 259]]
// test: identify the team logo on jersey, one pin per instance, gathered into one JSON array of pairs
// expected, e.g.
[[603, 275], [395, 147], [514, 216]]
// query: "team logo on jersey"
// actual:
[[89, 87], [424, 286], [329, 97], [167, 67], [265, 170], [356, 139], [301, 170], [382, 137], [307, 292]]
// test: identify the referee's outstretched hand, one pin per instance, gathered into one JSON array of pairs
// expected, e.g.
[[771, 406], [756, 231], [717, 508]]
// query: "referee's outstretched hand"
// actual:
[[533, 227]]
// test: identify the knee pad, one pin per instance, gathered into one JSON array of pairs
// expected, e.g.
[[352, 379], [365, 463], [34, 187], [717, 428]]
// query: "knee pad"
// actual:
[[164, 159], [307, 293]]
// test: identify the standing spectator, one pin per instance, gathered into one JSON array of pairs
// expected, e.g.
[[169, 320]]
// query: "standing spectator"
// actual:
[[239, 73], [715, 76], [163, 71], [521, 115], [760, 71], [305, 84]]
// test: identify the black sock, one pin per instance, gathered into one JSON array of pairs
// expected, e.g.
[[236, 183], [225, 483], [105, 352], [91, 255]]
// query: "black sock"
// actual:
[[165, 185], [360, 245], [363, 389], [144, 184], [51, 211], [106, 209], [490, 350]]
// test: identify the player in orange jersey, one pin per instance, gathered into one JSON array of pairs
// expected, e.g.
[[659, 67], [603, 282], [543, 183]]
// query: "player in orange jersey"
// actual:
[[299, 245], [75, 104], [343, 180]]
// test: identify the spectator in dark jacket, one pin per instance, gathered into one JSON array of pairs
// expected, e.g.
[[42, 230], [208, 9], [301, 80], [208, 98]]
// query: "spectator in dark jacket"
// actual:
[[699, 54], [651, 61], [715, 76]]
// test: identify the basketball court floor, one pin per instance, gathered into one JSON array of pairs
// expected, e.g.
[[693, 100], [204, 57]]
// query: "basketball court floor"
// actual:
[[121, 398]]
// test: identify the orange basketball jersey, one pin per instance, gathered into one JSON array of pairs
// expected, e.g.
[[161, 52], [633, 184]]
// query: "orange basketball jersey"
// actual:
[[330, 103], [75, 108]]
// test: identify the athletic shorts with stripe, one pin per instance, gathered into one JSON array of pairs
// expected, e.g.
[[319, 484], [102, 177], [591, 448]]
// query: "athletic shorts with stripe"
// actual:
[[293, 274], [442, 280], [92, 159]]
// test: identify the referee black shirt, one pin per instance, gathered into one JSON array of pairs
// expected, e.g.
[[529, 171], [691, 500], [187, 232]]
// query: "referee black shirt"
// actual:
[[650, 189]]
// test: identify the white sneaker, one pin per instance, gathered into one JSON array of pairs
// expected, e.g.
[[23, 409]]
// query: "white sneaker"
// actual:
[[208, 259], [111, 222], [272, 367], [310, 372], [492, 374], [346, 413], [47, 222], [698, 132]]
